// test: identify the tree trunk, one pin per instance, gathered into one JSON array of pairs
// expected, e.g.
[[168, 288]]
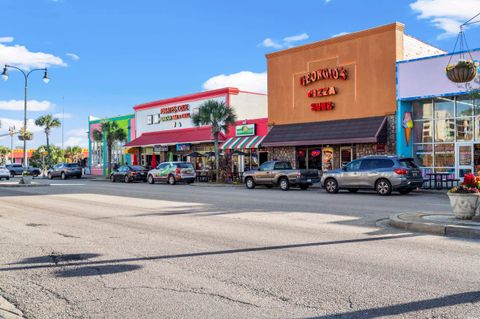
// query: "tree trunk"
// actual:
[[217, 157], [109, 158], [49, 159]]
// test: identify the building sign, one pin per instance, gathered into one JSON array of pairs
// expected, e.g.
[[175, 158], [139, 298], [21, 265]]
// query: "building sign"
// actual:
[[184, 147], [170, 113], [245, 130], [160, 148], [323, 74]]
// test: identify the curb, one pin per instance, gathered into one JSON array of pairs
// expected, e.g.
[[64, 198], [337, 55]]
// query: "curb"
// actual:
[[8, 310], [416, 224], [23, 185]]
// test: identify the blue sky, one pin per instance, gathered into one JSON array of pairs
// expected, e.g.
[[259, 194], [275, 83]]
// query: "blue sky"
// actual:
[[106, 56]]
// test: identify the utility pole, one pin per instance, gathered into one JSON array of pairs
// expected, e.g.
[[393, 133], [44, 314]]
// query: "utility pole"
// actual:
[[11, 132], [63, 119]]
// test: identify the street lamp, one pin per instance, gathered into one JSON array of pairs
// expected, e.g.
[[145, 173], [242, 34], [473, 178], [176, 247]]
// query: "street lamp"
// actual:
[[46, 79]]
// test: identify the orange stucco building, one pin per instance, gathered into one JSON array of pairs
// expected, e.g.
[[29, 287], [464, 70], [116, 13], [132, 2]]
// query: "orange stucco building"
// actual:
[[334, 100]]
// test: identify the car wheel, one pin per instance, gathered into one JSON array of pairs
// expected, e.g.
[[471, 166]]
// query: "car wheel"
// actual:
[[150, 179], [49, 175], [8, 178], [112, 178], [331, 185], [405, 191], [64, 176], [303, 187], [12, 174], [284, 184], [383, 187], [127, 179], [171, 180], [249, 183], [353, 190]]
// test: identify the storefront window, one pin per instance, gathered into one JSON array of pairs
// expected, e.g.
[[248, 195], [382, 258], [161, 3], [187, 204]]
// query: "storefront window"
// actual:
[[345, 155], [444, 155], [302, 158], [444, 107], [424, 155], [423, 131], [422, 109], [315, 158], [464, 106], [465, 129], [444, 130]]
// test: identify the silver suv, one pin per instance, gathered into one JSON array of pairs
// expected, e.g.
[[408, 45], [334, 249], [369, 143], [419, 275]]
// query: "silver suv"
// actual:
[[381, 173]]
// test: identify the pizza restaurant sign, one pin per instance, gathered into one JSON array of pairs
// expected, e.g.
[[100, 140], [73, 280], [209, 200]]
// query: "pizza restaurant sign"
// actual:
[[320, 92]]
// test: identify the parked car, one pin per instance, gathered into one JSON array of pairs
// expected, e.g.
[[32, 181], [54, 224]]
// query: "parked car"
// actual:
[[129, 173], [4, 173], [172, 172], [381, 173], [280, 173], [65, 170], [17, 169]]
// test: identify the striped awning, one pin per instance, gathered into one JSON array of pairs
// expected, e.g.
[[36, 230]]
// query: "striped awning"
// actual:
[[241, 143]]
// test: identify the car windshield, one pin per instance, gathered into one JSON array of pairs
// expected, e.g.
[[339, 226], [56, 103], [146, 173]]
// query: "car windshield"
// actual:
[[283, 165], [184, 165], [408, 162], [71, 165], [137, 168]]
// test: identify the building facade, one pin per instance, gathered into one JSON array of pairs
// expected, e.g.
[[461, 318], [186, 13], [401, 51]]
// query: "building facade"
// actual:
[[97, 161], [335, 100], [165, 131], [444, 132]]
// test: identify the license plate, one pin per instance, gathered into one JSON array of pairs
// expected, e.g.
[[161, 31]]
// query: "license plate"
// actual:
[[415, 174], [309, 180]]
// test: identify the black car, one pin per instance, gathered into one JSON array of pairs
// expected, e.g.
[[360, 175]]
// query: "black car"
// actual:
[[17, 169], [129, 173], [65, 170]]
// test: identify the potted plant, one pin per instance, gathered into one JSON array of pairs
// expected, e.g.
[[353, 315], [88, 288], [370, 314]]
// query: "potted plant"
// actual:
[[464, 199], [462, 71], [26, 178]]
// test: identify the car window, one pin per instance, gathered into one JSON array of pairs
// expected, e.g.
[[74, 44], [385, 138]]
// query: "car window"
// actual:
[[136, 168], [267, 166], [162, 166], [57, 166], [408, 162], [184, 165], [353, 166], [376, 163], [283, 165], [72, 165]]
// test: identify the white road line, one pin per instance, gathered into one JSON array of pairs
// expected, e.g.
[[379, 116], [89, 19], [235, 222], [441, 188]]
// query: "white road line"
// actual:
[[67, 184]]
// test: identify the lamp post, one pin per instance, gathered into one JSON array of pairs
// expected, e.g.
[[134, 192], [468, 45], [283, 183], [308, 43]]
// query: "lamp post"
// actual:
[[25, 75], [11, 132]]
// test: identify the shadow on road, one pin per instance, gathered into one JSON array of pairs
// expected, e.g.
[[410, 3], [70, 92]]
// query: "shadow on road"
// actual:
[[95, 270], [213, 253], [450, 300], [56, 258]]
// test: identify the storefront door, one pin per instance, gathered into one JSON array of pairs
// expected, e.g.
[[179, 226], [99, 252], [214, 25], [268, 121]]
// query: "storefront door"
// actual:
[[464, 159]]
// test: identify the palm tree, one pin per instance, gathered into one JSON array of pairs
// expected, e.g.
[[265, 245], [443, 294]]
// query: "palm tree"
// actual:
[[219, 116], [48, 122], [4, 151], [111, 132], [74, 153]]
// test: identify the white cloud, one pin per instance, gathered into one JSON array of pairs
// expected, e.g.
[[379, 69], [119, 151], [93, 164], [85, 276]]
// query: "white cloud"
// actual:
[[77, 137], [6, 39], [32, 105], [20, 56], [60, 115], [296, 38], [339, 34], [7, 122], [244, 80], [73, 56], [446, 15], [286, 42]]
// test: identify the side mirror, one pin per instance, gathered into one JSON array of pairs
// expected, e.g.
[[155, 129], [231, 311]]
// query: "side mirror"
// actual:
[[344, 168]]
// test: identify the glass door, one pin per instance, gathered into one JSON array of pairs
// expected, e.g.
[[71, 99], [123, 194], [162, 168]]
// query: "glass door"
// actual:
[[464, 159]]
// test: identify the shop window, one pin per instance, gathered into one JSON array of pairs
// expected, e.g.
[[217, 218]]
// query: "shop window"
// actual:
[[444, 108], [444, 155], [423, 155], [345, 155], [444, 130], [302, 158], [464, 129], [423, 110], [423, 131], [464, 106]]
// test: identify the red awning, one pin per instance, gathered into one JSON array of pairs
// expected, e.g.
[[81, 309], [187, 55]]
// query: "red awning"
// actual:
[[171, 137]]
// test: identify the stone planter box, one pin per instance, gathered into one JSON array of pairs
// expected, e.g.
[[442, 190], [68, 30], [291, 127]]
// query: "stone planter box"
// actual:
[[26, 180], [464, 205]]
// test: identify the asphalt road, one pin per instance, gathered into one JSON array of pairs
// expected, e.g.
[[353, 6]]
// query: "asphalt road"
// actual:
[[86, 249]]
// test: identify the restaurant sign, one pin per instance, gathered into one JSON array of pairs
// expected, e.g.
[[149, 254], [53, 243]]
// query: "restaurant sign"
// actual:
[[245, 130], [160, 148], [184, 147], [323, 74]]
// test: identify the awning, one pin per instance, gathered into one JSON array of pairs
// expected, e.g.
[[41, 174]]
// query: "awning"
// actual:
[[364, 130], [240, 143], [172, 137]]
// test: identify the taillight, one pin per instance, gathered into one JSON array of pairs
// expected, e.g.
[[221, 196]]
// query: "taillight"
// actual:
[[299, 174], [177, 171], [401, 171], [133, 173]]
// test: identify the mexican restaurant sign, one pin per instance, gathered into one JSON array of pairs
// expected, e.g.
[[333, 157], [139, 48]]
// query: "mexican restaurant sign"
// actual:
[[245, 130], [318, 75]]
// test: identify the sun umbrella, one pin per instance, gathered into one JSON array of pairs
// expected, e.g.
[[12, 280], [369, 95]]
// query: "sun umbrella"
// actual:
[[195, 154], [239, 153], [209, 154]]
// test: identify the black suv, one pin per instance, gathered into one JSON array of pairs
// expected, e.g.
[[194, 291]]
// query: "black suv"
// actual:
[[17, 169]]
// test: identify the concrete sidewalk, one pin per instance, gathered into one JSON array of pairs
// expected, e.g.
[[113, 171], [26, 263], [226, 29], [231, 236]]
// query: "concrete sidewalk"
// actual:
[[443, 224], [8, 310]]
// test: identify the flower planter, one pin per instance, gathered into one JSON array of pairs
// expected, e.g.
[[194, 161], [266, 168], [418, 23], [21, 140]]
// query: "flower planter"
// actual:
[[26, 180], [461, 74], [464, 205]]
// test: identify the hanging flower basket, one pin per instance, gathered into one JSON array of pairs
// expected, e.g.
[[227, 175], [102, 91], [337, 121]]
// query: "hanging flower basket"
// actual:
[[28, 136], [463, 71]]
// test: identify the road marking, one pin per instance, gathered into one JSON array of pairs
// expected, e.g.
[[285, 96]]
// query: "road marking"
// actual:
[[67, 184]]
